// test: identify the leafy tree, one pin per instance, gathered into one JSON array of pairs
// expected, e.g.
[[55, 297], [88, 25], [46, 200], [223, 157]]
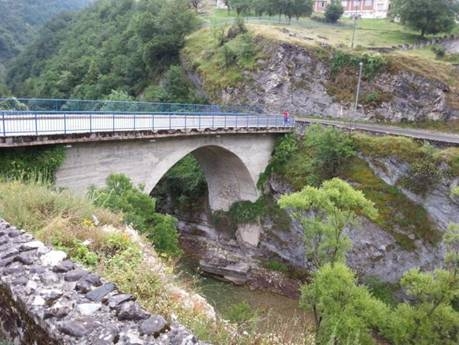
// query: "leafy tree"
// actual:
[[334, 11], [426, 16], [138, 209], [330, 149], [113, 45], [332, 207], [344, 312]]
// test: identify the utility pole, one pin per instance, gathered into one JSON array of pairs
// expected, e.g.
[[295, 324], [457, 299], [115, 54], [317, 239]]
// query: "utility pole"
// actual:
[[355, 15], [358, 86]]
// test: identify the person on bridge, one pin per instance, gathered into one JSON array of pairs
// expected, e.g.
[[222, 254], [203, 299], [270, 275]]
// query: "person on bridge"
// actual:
[[286, 115]]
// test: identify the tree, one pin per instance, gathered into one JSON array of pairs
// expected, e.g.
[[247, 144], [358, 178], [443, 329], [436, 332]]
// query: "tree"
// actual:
[[429, 317], [195, 4], [324, 213], [334, 11], [331, 148], [426, 16], [344, 312]]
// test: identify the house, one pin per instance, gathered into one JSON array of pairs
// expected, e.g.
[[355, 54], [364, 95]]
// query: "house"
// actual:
[[361, 8]]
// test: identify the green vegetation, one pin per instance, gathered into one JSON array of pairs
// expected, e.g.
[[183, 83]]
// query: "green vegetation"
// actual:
[[113, 45], [31, 163], [396, 211], [275, 265], [184, 184], [320, 156], [426, 16], [138, 209], [287, 8], [347, 313], [221, 55], [242, 314], [334, 206], [20, 21], [334, 11]]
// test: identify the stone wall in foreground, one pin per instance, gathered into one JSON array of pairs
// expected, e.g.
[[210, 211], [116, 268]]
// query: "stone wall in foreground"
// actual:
[[47, 299]]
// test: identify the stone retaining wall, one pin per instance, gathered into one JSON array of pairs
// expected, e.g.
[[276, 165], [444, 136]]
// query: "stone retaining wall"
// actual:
[[47, 299]]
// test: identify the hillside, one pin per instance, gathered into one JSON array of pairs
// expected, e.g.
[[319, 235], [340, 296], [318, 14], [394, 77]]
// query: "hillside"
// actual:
[[278, 68], [21, 19], [112, 45]]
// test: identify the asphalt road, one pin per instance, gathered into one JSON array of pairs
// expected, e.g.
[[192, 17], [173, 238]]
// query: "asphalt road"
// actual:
[[434, 136]]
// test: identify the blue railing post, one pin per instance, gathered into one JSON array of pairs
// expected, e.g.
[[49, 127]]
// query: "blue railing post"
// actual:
[[65, 123], [185, 122], [170, 121], [152, 122], [90, 122], [134, 121], [113, 122]]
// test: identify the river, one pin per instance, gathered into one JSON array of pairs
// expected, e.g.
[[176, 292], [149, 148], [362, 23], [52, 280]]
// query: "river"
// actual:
[[267, 312]]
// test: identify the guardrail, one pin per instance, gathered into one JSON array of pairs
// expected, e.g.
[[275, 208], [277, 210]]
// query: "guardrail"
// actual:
[[35, 123]]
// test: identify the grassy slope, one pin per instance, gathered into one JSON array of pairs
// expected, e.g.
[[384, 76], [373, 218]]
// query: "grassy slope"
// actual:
[[65, 221]]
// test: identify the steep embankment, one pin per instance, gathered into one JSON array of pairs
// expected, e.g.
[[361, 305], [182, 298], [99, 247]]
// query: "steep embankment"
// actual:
[[277, 69], [258, 244]]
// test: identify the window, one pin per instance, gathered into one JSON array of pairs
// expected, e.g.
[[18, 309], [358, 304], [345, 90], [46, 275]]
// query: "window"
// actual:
[[368, 3]]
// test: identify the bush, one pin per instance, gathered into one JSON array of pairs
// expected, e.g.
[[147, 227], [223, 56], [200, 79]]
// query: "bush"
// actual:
[[139, 210], [334, 11], [439, 51], [241, 313], [31, 163], [275, 265], [373, 63]]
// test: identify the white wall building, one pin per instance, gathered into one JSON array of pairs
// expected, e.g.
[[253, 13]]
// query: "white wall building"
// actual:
[[363, 8]]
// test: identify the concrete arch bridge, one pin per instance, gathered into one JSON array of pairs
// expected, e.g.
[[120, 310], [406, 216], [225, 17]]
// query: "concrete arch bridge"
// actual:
[[232, 146]]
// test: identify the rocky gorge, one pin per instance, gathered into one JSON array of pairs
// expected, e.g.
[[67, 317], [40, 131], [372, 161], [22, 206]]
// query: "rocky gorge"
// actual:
[[245, 253], [289, 74]]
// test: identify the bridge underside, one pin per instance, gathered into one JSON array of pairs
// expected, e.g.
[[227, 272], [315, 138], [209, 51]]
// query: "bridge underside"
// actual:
[[231, 163]]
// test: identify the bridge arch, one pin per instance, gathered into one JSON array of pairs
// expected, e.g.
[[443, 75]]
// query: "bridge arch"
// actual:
[[231, 163], [228, 178]]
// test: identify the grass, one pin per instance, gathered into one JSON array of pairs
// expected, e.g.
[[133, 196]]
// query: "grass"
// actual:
[[222, 66], [398, 215], [58, 217], [369, 33]]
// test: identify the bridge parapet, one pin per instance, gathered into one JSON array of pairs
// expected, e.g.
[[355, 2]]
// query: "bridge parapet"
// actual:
[[31, 124]]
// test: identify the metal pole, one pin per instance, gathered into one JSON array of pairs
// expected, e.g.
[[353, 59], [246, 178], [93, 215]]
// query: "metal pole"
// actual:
[[4, 125], [358, 86], [36, 125]]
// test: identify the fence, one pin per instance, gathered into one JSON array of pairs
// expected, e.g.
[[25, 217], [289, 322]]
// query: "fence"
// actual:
[[35, 123]]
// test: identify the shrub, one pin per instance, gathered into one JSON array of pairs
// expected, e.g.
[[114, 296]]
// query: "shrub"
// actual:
[[334, 11], [439, 51], [139, 210], [275, 265], [31, 163], [373, 63], [241, 313]]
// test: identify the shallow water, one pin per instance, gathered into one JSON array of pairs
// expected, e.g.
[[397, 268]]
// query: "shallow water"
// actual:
[[273, 313]]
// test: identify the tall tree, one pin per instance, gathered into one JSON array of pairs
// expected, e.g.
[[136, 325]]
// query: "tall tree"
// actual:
[[426, 16], [332, 207]]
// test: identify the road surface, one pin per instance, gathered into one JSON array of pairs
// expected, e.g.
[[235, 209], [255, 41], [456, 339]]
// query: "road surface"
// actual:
[[434, 136]]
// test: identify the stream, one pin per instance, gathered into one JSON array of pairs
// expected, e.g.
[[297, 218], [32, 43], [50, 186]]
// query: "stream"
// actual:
[[266, 312]]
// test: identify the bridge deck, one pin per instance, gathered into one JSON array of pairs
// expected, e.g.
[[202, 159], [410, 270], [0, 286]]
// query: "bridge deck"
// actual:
[[25, 128]]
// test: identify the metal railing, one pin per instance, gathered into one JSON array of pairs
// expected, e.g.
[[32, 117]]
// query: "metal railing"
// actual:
[[39, 104], [35, 123]]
